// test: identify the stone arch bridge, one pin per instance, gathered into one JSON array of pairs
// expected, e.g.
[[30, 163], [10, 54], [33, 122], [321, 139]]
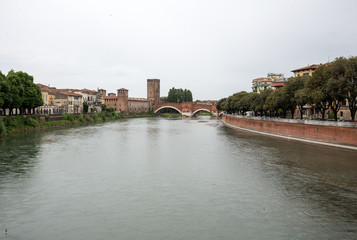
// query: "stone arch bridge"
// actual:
[[189, 108]]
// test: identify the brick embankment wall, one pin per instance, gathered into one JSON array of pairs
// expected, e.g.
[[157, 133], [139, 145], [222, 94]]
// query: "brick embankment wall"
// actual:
[[331, 134]]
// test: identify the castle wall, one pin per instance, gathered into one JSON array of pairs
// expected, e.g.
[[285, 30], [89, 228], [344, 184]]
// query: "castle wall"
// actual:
[[139, 106]]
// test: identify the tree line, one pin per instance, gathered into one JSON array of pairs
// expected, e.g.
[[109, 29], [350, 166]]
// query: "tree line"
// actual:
[[329, 87], [179, 95], [17, 91]]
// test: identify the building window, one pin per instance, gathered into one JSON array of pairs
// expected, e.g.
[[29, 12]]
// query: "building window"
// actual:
[[341, 114]]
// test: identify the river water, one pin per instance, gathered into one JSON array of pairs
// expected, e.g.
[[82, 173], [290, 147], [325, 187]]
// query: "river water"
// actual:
[[154, 178]]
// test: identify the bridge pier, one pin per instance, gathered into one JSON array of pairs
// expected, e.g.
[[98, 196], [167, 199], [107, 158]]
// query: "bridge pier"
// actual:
[[188, 114]]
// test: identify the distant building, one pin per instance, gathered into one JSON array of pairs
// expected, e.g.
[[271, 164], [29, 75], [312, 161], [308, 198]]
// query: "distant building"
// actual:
[[118, 101], [305, 71], [68, 102], [92, 99], [277, 84], [122, 103], [262, 83], [59, 101], [102, 94]]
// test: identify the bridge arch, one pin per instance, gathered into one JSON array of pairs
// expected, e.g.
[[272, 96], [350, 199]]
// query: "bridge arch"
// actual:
[[199, 110], [157, 110]]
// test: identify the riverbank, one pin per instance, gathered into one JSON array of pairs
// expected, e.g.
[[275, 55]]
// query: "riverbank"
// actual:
[[21, 124], [343, 135]]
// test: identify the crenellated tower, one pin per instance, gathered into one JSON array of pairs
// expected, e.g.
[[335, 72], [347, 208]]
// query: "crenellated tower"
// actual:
[[153, 90], [122, 97]]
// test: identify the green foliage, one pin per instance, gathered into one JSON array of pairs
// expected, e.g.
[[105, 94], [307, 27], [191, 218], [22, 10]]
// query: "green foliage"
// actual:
[[9, 122], [31, 122], [350, 84], [47, 118], [331, 115], [110, 110], [81, 118], [219, 104], [179, 95], [101, 116], [20, 121], [94, 117], [17, 90], [68, 117], [2, 127]]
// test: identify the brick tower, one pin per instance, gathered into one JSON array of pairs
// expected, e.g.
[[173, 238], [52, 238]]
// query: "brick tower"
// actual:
[[153, 91], [122, 96]]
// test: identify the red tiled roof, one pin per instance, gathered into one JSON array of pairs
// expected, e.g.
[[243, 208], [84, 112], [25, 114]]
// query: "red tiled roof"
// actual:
[[70, 94], [88, 90], [314, 66], [277, 84]]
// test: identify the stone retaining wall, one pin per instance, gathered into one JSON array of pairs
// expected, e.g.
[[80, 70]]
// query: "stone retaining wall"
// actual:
[[333, 134]]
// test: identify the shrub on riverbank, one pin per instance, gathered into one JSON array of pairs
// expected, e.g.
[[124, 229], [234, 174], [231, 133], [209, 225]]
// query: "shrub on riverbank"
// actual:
[[31, 122], [2, 127], [26, 123], [18, 123], [68, 117]]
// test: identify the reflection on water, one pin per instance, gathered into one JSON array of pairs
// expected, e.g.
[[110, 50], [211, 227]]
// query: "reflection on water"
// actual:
[[182, 179], [18, 159]]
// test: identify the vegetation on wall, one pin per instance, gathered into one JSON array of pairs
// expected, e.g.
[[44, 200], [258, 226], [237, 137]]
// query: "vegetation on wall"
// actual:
[[179, 95], [17, 91], [329, 86]]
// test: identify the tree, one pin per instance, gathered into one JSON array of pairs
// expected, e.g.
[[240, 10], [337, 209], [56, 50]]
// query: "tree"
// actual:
[[226, 105], [334, 86], [246, 102], [220, 103], [290, 88], [5, 95], [2, 91], [301, 100], [350, 85], [16, 91], [258, 104], [32, 96], [236, 106], [316, 96], [270, 104], [179, 95]]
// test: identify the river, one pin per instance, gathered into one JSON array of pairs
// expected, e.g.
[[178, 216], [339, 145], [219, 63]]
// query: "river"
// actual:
[[154, 178]]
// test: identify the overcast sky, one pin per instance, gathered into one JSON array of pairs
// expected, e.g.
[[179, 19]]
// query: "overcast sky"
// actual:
[[214, 48]]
